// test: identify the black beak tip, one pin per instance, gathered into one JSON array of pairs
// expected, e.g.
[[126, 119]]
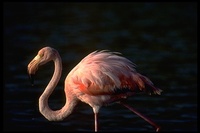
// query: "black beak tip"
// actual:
[[31, 77]]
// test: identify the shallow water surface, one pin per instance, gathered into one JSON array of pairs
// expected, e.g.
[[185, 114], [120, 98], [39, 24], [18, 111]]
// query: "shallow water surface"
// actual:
[[160, 38]]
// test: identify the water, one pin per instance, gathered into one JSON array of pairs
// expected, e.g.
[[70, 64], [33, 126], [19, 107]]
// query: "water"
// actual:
[[161, 38]]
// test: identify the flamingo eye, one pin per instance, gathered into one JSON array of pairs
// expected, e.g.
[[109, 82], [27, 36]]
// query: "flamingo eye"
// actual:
[[42, 55]]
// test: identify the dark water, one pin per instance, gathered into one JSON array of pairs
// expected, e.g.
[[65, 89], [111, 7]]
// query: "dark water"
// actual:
[[161, 38]]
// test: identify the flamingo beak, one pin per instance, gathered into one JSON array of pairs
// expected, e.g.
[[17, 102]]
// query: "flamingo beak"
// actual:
[[32, 68], [31, 78]]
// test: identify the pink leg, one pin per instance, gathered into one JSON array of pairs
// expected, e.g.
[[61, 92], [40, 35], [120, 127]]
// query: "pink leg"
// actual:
[[96, 121], [142, 116]]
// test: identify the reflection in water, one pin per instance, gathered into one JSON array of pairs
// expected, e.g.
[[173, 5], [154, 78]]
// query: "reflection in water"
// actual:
[[159, 38]]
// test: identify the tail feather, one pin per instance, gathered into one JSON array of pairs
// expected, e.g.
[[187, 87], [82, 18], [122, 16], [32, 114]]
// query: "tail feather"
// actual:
[[153, 90], [149, 87]]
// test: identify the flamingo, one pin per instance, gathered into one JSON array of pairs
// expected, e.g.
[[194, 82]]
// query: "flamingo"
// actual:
[[101, 78]]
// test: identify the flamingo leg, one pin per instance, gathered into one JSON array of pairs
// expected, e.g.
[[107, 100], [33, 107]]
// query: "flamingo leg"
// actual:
[[96, 121], [141, 115]]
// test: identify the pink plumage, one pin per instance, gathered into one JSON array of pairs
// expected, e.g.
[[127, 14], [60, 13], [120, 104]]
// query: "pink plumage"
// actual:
[[103, 72], [102, 77]]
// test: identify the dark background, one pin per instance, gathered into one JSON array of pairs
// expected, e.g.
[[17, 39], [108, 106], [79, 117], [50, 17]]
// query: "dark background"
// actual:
[[161, 38]]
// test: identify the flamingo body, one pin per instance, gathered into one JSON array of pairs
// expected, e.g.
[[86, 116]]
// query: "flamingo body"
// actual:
[[102, 77]]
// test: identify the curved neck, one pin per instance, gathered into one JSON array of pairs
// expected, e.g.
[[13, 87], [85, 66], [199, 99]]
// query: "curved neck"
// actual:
[[67, 109]]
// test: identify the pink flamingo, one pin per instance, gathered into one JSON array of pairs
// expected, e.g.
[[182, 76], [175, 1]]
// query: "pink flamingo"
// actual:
[[102, 77]]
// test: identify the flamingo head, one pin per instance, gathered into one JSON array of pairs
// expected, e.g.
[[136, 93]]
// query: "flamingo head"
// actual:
[[44, 55]]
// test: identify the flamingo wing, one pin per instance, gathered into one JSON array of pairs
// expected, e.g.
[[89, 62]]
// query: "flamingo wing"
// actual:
[[104, 72]]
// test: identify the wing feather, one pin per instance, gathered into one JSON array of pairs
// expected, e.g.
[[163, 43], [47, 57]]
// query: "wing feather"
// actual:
[[102, 72]]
